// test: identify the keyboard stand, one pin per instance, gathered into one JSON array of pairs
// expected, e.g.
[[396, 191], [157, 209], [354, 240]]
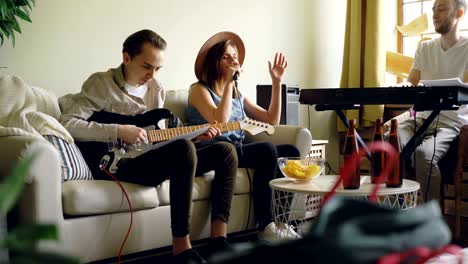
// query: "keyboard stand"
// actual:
[[413, 143], [339, 111]]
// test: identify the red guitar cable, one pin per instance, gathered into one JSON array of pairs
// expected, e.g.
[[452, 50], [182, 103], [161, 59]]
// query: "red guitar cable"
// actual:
[[131, 211]]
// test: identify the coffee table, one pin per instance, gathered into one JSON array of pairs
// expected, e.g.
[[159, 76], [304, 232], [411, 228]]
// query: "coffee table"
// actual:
[[288, 209]]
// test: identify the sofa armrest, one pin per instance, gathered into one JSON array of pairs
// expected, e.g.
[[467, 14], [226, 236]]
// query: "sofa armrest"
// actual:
[[286, 134], [41, 201]]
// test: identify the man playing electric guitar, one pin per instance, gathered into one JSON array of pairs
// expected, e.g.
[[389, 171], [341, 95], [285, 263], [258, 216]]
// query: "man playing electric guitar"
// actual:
[[111, 155], [129, 90]]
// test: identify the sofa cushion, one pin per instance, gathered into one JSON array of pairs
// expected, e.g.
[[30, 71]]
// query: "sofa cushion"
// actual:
[[202, 186], [72, 163], [176, 101], [102, 197], [46, 101], [244, 181]]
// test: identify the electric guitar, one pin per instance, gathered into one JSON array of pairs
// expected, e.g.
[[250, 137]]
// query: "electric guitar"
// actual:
[[99, 155]]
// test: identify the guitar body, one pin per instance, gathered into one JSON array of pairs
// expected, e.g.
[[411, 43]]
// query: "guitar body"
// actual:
[[93, 152], [142, 120]]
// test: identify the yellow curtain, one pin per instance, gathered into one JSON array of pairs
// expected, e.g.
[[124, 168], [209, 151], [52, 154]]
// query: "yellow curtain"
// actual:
[[364, 55]]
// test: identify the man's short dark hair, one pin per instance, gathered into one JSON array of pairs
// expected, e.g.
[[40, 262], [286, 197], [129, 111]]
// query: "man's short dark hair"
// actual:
[[134, 43], [460, 4]]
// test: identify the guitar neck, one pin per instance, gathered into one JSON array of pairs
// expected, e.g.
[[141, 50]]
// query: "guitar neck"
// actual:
[[167, 134]]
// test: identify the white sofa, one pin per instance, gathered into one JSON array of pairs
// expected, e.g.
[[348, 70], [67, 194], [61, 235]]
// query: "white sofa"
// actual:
[[101, 217]]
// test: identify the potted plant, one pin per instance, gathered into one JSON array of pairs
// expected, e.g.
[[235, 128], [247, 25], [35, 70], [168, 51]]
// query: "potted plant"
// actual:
[[11, 11], [21, 241]]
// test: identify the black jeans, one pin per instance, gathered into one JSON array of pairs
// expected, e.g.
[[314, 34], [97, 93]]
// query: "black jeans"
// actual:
[[263, 158], [179, 161]]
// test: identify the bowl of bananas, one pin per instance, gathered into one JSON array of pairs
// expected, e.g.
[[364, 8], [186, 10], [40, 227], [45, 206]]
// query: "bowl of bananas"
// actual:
[[301, 169]]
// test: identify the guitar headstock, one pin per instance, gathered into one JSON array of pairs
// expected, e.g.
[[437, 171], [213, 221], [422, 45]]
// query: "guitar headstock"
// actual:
[[254, 127]]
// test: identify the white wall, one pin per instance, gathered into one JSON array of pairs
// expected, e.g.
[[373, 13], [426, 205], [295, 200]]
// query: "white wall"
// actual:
[[325, 29], [69, 40]]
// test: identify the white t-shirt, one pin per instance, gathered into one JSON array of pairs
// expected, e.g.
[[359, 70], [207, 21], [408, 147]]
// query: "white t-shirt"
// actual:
[[142, 92], [435, 63], [138, 91]]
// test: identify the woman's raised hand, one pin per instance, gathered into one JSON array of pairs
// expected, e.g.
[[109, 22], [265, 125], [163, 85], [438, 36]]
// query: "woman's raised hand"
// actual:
[[278, 67]]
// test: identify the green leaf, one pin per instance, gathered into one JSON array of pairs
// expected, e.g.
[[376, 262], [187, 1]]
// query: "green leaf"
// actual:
[[9, 3], [10, 12], [21, 2], [13, 39], [32, 257], [31, 3], [26, 10], [14, 25], [4, 30], [21, 14], [3, 9], [11, 187], [25, 237]]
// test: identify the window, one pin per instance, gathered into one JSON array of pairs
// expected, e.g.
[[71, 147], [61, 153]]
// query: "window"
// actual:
[[408, 10]]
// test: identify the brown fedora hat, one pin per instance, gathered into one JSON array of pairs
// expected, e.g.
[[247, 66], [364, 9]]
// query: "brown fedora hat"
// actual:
[[217, 38]]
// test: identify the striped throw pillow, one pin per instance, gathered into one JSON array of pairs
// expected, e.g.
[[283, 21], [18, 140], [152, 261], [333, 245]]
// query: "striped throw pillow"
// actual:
[[73, 165]]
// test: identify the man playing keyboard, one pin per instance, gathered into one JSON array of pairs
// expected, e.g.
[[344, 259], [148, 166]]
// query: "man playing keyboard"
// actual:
[[441, 58]]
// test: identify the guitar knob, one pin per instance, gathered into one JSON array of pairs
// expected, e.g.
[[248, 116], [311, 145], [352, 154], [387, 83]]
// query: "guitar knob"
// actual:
[[122, 151]]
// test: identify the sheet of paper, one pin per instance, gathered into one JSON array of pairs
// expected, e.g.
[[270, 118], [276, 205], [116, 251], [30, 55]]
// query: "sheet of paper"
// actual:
[[398, 64], [415, 27], [445, 82]]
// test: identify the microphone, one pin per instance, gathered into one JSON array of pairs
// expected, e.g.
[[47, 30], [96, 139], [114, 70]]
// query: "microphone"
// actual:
[[236, 76]]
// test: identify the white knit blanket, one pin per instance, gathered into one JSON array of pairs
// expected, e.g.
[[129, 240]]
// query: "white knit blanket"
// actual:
[[26, 110]]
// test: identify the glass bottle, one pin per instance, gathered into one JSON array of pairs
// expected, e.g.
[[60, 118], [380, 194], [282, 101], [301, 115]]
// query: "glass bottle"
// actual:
[[351, 148], [377, 158], [394, 179]]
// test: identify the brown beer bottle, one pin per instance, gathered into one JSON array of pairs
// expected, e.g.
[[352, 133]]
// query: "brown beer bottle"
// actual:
[[351, 148], [377, 158], [394, 179]]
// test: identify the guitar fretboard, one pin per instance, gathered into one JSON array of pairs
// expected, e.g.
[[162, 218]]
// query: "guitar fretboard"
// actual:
[[166, 134]]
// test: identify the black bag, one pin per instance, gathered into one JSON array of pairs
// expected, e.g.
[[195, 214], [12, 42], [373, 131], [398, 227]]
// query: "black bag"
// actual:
[[352, 231]]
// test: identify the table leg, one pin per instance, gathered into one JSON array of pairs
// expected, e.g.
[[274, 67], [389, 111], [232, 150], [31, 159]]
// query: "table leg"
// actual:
[[295, 209]]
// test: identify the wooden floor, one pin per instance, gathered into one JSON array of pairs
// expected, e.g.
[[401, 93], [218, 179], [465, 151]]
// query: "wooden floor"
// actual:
[[164, 255]]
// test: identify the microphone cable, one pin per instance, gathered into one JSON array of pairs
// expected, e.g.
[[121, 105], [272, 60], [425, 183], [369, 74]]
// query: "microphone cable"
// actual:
[[242, 135]]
